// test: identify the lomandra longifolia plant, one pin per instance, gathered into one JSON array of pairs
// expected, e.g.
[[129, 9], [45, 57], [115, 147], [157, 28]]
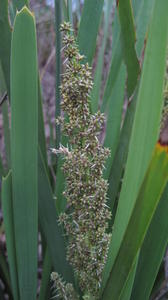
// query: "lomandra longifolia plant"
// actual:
[[86, 218], [90, 248]]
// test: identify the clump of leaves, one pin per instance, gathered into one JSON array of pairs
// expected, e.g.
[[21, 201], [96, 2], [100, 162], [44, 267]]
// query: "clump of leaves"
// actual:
[[86, 219]]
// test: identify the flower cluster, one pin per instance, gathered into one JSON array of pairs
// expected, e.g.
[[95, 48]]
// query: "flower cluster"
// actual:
[[86, 218], [62, 290]]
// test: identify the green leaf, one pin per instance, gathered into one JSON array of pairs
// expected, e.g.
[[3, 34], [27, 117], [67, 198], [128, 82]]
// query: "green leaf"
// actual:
[[145, 206], [65, 11], [146, 124], [121, 153], [114, 117], [142, 18], [152, 251], [49, 224], [18, 4], [41, 131], [5, 48], [7, 208], [143, 10], [115, 64], [69, 8], [58, 17], [126, 292], [89, 27], [95, 94], [24, 142], [5, 45], [128, 43]]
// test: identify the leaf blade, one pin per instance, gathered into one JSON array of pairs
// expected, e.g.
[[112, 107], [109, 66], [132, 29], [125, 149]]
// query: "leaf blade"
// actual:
[[24, 137], [49, 223], [141, 148], [145, 206], [7, 209], [5, 47], [88, 28], [149, 260], [128, 43]]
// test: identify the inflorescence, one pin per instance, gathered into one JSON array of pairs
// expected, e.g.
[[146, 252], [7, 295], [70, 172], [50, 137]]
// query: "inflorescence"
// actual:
[[86, 218]]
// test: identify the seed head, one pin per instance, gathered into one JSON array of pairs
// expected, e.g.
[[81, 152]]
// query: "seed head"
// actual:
[[86, 218]]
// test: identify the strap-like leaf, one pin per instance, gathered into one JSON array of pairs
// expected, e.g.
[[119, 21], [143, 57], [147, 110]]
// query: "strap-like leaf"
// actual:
[[49, 224], [128, 43], [5, 45], [145, 206], [146, 124], [24, 155], [114, 117], [7, 207], [152, 251], [88, 28]]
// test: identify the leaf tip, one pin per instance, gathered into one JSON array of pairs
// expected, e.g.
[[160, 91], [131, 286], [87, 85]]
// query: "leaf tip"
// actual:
[[25, 10]]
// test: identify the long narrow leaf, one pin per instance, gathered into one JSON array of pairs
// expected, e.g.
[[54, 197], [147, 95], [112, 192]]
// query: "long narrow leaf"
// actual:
[[145, 206], [128, 43], [114, 116], [41, 131], [88, 28], [143, 11], [5, 45], [115, 65], [7, 207], [58, 17], [121, 153], [152, 251], [126, 292], [24, 140], [69, 9], [49, 224], [146, 123], [95, 94]]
